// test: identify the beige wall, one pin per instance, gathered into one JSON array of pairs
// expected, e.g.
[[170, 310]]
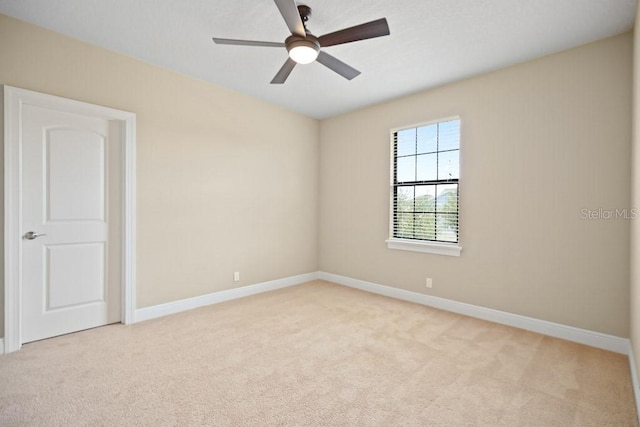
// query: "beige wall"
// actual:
[[225, 182], [540, 142], [635, 202], [228, 183]]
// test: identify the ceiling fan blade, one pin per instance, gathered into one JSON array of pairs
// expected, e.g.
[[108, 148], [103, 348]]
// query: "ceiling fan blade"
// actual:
[[369, 30], [289, 12], [333, 63], [247, 42], [284, 72]]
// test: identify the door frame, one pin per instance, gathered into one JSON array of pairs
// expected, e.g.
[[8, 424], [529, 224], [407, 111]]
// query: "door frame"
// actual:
[[14, 99]]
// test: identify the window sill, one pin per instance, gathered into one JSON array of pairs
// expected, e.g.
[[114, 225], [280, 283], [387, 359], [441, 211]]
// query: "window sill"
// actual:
[[449, 249]]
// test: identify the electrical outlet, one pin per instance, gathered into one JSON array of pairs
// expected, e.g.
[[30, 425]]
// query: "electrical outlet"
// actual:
[[429, 282], [236, 276]]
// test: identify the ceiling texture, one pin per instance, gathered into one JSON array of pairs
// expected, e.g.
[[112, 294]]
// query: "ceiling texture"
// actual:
[[432, 42]]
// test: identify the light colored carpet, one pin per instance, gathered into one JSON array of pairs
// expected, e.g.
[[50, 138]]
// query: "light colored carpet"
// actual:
[[314, 354]]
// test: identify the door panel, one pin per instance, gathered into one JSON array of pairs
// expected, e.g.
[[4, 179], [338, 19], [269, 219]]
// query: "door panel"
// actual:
[[76, 189], [76, 275], [71, 273]]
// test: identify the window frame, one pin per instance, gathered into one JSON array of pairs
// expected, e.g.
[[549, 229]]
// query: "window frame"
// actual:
[[417, 245]]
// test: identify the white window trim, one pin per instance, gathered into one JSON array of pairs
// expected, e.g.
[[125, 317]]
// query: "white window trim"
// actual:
[[424, 246]]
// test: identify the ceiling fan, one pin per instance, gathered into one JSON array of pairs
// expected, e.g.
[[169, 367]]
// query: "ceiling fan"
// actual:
[[304, 47]]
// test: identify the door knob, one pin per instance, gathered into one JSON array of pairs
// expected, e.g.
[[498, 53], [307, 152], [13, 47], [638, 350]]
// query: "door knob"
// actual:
[[30, 235]]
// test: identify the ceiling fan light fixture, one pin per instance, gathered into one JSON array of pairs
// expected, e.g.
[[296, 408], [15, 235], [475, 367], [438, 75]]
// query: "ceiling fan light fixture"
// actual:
[[303, 51]]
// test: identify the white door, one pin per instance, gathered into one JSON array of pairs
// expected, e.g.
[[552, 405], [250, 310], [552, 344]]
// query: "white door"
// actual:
[[71, 222]]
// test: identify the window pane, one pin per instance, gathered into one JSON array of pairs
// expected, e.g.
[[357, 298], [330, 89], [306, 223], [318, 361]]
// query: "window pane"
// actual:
[[449, 135], [404, 199], [427, 167], [406, 140], [404, 225], [447, 227], [448, 198], [406, 169], [428, 139], [425, 226], [425, 198], [448, 165]]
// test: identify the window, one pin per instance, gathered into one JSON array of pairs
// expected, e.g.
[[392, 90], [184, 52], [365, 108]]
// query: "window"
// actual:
[[425, 188]]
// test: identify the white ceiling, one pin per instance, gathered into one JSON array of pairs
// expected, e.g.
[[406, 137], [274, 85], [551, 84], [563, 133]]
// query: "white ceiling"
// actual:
[[432, 42]]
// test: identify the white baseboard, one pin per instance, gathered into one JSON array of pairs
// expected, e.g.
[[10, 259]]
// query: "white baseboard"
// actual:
[[1, 346], [570, 333], [173, 307], [634, 380]]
